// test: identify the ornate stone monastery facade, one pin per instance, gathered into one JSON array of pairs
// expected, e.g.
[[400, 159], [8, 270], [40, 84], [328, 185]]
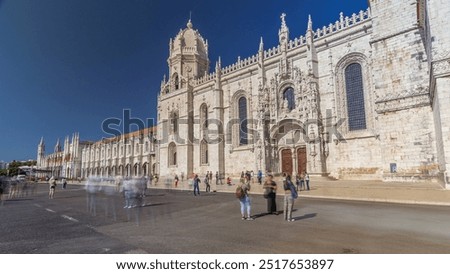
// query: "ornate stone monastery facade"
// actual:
[[364, 97]]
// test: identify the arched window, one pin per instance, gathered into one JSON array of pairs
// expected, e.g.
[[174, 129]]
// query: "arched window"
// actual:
[[288, 96], [204, 116], [176, 81], [243, 130], [204, 153], [136, 169], [174, 123], [172, 154], [355, 97], [145, 169]]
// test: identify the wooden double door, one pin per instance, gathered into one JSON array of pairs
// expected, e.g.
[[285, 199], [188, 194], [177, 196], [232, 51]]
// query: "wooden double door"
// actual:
[[287, 161]]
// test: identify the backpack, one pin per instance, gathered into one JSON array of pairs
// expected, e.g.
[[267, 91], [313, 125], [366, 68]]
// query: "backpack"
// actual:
[[240, 192], [293, 190]]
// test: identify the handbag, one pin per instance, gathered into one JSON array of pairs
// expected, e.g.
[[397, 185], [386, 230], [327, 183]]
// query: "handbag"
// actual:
[[267, 192]]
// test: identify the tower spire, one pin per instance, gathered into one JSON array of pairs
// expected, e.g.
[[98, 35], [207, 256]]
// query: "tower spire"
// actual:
[[189, 23], [312, 60], [309, 23], [283, 33], [261, 45]]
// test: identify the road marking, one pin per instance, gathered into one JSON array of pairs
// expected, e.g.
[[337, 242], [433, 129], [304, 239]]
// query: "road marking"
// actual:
[[49, 210], [37, 205], [69, 218]]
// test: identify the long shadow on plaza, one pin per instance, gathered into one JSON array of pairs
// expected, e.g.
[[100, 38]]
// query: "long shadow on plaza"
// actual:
[[155, 204], [306, 216]]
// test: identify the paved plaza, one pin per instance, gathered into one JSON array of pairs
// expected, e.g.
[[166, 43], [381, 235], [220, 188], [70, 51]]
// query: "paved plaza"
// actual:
[[174, 221]]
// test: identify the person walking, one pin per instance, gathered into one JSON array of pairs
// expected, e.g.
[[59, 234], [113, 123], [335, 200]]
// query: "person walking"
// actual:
[[244, 200], [64, 183], [196, 182], [290, 194], [52, 184], [270, 193]]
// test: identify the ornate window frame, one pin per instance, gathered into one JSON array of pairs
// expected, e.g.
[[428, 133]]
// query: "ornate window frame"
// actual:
[[172, 155], [174, 122], [341, 95], [204, 109], [204, 156], [235, 134], [283, 87], [176, 81]]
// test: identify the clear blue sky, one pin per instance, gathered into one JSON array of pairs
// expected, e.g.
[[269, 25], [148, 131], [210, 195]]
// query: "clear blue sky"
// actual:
[[67, 65]]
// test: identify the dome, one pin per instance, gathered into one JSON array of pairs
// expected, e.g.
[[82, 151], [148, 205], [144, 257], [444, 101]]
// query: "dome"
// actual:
[[190, 41]]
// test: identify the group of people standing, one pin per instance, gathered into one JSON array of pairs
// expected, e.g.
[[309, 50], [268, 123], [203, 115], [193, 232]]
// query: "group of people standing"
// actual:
[[290, 189], [301, 180], [270, 192]]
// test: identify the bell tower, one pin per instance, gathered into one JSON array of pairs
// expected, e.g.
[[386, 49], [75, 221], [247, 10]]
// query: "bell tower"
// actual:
[[41, 153], [188, 57]]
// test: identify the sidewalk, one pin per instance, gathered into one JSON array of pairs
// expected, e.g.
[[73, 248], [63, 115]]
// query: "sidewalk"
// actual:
[[423, 193]]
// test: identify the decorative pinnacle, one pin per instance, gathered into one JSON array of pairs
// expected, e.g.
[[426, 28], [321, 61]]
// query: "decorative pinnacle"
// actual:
[[309, 22], [283, 20], [261, 45], [189, 24]]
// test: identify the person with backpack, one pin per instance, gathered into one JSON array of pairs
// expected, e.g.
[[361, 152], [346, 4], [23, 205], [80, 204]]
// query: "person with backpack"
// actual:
[[244, 199], [290, 194], [196, 182]]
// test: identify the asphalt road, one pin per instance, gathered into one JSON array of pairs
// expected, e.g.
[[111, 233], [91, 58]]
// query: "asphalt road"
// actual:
[[178, 222]]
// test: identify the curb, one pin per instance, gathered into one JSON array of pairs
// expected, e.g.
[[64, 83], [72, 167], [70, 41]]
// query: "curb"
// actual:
[[342, 198], [376, 200]]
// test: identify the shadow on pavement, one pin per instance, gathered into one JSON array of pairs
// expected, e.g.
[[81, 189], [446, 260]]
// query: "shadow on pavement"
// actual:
[[155, 204], [306, 216]]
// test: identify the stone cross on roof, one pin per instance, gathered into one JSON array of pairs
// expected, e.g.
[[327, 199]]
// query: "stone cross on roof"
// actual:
[[283, 21]]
